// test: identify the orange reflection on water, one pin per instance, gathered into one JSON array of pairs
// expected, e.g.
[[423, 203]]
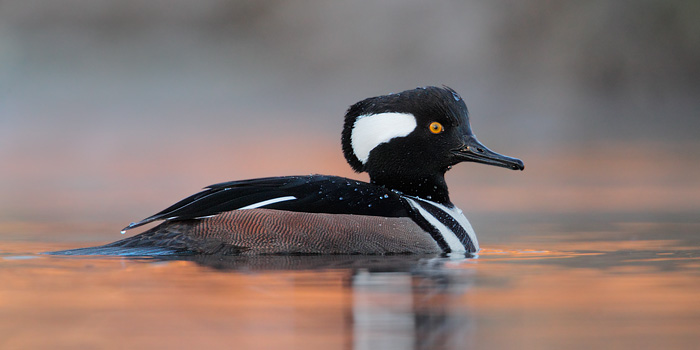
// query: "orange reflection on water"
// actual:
[[631, 306], [524, 254], [117, 304], [507, 297]]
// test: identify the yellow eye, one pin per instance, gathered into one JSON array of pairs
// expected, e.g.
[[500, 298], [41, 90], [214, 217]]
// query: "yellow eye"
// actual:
[[436, 128]]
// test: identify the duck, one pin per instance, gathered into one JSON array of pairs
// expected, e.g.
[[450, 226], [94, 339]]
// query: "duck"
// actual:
[[404, 141]]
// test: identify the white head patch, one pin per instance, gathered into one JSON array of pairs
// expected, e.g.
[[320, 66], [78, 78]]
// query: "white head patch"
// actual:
[[369, 131]]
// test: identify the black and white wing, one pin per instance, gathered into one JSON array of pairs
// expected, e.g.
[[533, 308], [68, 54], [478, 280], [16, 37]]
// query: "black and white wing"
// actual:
[[313, 194]]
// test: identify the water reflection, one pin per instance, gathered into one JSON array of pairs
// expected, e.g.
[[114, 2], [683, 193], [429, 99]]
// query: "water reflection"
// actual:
[[352, 263], [630, 292], [404, 311], [396, 302]]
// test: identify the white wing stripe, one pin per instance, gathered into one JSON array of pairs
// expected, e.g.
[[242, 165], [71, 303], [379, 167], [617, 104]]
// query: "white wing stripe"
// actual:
[[268, 202]]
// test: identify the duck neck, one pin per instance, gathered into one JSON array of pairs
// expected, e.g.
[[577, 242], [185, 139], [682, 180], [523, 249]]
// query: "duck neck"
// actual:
[[430, 187]]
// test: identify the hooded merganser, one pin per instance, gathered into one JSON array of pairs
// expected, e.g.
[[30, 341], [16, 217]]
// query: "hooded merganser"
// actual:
[[405, 141]]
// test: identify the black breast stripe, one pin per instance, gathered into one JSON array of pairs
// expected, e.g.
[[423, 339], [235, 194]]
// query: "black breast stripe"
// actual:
[[425, 225], [449, 221]]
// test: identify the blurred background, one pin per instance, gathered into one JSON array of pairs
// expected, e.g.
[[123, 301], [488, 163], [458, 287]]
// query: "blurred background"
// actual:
[[112, 110]]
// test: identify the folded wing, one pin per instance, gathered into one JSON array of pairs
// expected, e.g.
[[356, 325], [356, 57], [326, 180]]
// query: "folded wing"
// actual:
[[312, 194]]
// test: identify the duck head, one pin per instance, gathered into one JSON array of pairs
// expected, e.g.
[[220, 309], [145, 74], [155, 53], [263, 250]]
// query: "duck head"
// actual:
[[408, 140]]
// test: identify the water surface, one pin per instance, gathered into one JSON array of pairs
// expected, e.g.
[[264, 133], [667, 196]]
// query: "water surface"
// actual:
[[629, 284]]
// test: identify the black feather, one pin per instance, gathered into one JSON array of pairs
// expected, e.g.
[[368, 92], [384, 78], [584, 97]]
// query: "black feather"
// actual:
[[313, 193]]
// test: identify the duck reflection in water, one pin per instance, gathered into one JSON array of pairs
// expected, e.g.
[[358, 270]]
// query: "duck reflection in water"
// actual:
[[396, 301]]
